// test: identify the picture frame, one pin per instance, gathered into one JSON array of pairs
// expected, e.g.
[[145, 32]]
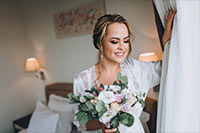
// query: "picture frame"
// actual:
[[79, 20]]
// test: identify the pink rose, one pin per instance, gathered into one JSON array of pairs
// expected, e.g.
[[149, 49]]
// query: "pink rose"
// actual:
[[126, 107], [95, 94], [100, 88], [119, 98]]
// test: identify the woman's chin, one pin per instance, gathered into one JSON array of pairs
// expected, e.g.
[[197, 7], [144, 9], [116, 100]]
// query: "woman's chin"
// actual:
[[117, 59], [120, 60]]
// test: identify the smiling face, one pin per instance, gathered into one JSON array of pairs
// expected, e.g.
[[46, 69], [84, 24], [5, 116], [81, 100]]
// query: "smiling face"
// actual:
[[116, 43]]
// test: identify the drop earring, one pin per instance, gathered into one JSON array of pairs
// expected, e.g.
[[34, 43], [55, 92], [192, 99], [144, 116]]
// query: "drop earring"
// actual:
[[101, 54], [101, 57]]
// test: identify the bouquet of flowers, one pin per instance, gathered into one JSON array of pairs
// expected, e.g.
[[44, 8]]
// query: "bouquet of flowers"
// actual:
[[110, 105]]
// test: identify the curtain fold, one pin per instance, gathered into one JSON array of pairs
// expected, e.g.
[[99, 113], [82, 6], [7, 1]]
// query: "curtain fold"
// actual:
[[179, 98], [159, 25]]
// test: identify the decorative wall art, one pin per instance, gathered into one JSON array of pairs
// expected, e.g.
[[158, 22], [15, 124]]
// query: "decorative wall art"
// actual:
[[79, 20]]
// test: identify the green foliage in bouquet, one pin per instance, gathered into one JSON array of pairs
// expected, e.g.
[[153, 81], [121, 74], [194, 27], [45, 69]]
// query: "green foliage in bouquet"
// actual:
[[123, 117], [122, 81], [87, 110], [140, 96], [100, 108]]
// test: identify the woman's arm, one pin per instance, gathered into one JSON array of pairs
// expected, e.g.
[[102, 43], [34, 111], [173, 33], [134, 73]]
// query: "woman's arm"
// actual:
[[169, 17]]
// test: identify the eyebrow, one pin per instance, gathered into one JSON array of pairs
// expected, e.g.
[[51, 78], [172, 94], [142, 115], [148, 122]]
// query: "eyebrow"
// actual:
[[119, 38]]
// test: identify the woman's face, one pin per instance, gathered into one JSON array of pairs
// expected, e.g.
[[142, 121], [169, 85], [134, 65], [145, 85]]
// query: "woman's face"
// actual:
[[116, 43]]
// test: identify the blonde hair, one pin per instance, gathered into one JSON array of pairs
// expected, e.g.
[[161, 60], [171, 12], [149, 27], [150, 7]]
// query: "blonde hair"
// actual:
[[101, 26]]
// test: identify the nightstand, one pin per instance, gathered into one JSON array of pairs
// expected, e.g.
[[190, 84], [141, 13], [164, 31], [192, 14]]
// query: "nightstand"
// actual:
[[21, 123], [151, 104]]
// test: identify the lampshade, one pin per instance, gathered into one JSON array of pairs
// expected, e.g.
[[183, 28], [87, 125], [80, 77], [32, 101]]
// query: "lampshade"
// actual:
[[32, 64], [147, 57]]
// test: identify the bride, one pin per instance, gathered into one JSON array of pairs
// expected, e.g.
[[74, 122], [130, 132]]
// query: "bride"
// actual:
[[112, 36]]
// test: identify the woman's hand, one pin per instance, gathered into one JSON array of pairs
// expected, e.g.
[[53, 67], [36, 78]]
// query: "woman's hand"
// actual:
[[92, 125], [105, 129], [169, 17]]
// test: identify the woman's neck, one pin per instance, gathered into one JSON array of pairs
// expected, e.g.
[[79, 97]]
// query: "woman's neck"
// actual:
[[108, 67], [107, 71]]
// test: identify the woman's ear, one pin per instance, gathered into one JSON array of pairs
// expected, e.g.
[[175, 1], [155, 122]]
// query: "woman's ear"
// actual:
[[99, 46]]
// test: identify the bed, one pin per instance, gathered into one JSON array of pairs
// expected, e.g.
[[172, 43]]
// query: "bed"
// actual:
[[58, 89]]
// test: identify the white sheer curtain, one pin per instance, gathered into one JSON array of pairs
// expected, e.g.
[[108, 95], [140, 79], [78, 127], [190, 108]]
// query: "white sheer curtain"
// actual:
[[179, 98]]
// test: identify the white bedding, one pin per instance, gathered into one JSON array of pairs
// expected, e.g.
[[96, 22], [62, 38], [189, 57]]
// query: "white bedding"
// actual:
[[57, 117], [43, 120]]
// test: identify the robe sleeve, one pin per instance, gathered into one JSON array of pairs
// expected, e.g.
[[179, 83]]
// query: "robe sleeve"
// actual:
[[147, 74], [78, 88]]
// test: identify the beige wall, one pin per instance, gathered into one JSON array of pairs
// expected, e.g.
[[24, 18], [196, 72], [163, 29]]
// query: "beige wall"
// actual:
[[27, 30], [17, 88]]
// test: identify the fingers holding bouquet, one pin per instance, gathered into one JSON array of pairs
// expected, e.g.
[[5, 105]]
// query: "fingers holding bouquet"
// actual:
[[105, 129]]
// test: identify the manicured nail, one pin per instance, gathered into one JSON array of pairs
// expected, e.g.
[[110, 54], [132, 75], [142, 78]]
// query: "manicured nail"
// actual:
[[115, 129]]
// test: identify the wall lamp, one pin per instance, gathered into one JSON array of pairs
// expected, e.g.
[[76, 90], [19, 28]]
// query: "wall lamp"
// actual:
[[148, 57], [32, 65]]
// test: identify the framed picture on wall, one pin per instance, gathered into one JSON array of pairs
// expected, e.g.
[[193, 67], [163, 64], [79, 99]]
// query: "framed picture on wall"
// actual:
[[79, 20]]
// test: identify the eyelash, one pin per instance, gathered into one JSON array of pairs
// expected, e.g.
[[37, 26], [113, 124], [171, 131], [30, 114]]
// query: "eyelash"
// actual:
[[115, 42], [128, 41]]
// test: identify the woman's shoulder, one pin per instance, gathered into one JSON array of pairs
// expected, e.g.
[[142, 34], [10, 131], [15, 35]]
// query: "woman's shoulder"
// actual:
[[84, 73], [139, 67], [131, 62], [84, 79], [137, 63]]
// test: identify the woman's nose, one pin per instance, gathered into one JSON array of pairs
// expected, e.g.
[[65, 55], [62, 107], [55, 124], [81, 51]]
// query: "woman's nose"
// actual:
[[121, 46]]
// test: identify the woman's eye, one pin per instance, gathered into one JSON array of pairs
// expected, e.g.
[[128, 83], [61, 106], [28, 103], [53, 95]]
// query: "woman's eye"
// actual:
[[127, 41], [114, 42]]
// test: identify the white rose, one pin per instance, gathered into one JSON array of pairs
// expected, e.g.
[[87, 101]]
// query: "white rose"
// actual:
[[106, 96], [107, 106], [116, 107], [107, 116], [115, 88]]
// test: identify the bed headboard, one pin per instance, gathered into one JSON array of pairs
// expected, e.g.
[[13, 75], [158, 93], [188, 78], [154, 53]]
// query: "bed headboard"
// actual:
[[60, 89]]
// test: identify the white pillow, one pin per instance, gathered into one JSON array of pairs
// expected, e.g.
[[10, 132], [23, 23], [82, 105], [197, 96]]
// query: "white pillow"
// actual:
[[66, 111], [43, 120]]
